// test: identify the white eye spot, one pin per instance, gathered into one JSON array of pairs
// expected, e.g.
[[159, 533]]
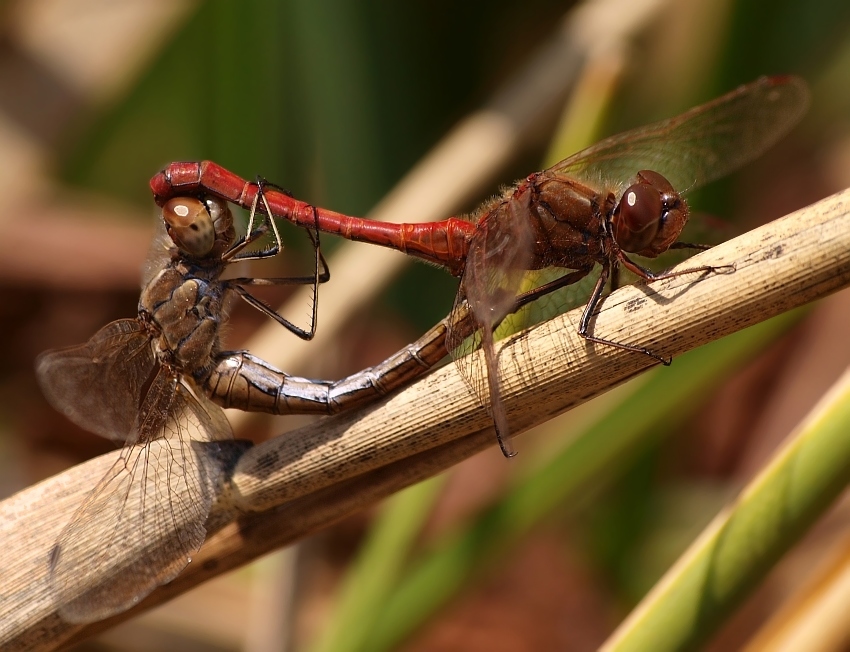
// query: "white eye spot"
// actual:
[[189, 225], [631, 198]]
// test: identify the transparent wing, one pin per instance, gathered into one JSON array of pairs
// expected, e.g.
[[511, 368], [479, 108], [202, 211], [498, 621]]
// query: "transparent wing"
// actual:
[[498, 256], [97, 385], [702, 144], [159, 254], [145, 519]]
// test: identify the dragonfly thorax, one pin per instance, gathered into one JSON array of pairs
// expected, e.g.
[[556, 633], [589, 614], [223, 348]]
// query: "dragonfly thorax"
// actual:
[[567, 219], [187, 313]]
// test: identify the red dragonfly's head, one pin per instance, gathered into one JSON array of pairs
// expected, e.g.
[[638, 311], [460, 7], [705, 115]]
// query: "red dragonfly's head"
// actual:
[[650, 216]]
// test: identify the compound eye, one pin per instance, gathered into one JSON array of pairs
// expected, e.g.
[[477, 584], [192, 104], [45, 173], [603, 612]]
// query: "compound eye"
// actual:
[[189, 225], [216, 207], [641, 207], [638, 217]]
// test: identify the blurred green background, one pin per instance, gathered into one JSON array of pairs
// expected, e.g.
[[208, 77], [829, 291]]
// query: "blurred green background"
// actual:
[[338, 101]]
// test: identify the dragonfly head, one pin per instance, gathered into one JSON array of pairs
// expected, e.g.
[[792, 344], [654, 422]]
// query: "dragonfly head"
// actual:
[[650, 216], [199, 228]]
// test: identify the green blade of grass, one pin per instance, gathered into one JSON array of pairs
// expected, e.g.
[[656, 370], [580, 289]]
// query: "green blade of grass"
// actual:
[[735, 552], [377, 567]]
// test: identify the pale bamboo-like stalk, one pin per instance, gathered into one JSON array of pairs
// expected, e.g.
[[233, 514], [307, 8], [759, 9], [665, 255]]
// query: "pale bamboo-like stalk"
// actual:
[[304, 480]]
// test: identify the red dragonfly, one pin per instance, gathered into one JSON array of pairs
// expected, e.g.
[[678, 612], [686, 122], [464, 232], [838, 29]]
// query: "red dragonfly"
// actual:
[[616, 198]]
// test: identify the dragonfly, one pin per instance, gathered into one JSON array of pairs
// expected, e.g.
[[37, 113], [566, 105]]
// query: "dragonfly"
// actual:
[[157, 383], [619, 198]]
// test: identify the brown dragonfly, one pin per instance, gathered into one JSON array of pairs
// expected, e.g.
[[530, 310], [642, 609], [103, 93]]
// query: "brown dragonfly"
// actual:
[[619, 197], [147, 383]]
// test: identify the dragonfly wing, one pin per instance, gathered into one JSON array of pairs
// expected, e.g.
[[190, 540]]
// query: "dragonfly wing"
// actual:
[[499, 254], [700, 145], [145, 519], [98, 385]]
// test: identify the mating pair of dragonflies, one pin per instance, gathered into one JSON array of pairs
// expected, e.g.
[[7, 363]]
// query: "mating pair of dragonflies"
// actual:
[[157, 383]]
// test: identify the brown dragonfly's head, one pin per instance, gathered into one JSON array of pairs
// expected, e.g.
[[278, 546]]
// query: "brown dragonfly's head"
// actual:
[[650, 216], [200, 228]]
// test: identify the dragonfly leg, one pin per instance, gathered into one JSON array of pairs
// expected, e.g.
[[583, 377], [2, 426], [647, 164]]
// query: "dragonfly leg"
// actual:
[[321, 274], [648, 275], [532, 295], [592, 303], [235, 252], [266, 309]]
